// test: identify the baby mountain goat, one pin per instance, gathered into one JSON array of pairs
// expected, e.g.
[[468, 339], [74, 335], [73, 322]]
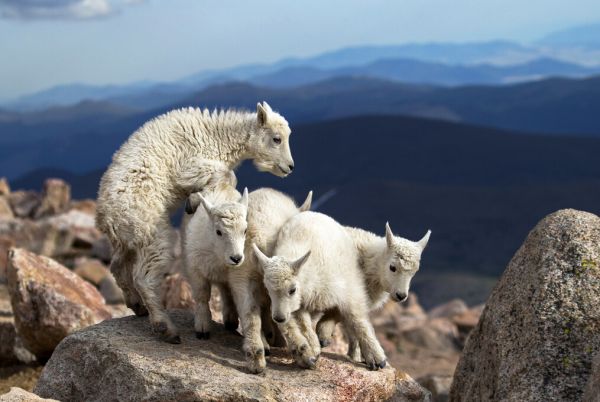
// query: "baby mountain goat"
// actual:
[[216, 251], [156, 169], [387, 265], [315, 268]]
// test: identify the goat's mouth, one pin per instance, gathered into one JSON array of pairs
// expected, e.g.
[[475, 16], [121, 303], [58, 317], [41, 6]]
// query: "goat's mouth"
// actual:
[[284, 172]]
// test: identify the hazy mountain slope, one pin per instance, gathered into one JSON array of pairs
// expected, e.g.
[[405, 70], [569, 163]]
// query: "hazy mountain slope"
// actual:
[[553, 106], [480, 190]]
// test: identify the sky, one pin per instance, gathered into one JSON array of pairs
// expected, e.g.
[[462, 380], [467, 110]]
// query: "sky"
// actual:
[[49, 42]]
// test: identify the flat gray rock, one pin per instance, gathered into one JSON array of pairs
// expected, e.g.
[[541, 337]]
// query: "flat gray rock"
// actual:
[[120, 359]]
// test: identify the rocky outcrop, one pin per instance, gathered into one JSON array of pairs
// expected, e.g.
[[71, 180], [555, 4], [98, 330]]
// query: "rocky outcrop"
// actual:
[[539, 330], [122, 360], [5, 209], [20, 395], [49, 301]]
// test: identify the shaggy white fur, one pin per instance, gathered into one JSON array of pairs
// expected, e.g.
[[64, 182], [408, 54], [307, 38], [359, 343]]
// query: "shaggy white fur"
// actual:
[[214, 253], [163, 162], [315, 268]]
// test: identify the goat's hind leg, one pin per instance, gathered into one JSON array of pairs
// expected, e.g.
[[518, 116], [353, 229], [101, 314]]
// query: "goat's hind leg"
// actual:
[[121, 267], [148, 273]]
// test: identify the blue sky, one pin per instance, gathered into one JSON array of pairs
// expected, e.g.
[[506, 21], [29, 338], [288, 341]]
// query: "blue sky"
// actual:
[[49, 42]]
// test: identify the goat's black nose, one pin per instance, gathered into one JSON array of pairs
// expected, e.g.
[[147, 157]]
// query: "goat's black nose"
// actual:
[[236, 259], [291, 167], [279, 319], [401, 296]]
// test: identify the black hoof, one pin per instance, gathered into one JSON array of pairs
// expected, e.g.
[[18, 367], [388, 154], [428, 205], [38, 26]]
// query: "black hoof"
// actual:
[[324, 342], [202, 335], [140, 310], [312, 362], [231, 325], [267, 352], [382, 364]]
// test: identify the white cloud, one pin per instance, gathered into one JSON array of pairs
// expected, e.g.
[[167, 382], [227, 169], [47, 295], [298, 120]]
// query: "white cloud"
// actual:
[[60, 9]]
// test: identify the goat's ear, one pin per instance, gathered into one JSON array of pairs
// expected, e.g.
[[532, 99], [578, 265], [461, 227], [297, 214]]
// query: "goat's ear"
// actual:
[[262, 113], [296, 265], [244, 199], [423, 242], [191, 203], [207, 205], [262, 259], [389, 235], [307, 202]]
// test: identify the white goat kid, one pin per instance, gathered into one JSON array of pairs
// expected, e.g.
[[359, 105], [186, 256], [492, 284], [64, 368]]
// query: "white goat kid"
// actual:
[[388, 265], [327, 277], [214, 253]]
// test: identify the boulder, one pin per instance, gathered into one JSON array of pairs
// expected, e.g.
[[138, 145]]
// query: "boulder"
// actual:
[[24, 203], [592, 389], [539, 330], [17, 394], [91, 269], [56, 196], [4, 186], [49, 301], [121, 359]]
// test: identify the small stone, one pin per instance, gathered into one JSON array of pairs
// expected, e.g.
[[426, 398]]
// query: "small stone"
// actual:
[[91, 269], [439, 386], [56, 196], [24, 203], [4, 186], [5, 209], [450, 309], [17, 394]]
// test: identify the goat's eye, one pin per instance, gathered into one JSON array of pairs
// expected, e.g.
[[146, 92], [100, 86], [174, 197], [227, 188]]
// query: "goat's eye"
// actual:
[[219, 233], [392, 268], [292, 291], [277, 140]]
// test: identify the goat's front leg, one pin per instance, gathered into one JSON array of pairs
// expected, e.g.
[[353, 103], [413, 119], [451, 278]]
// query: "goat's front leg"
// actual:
[[360, 329], [249, 313], [297, 343], [202, 316], [306, 328]]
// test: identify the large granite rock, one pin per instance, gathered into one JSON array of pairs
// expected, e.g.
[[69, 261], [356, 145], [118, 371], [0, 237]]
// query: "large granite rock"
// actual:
[[121, 359], [49, 302], [540, 327]]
